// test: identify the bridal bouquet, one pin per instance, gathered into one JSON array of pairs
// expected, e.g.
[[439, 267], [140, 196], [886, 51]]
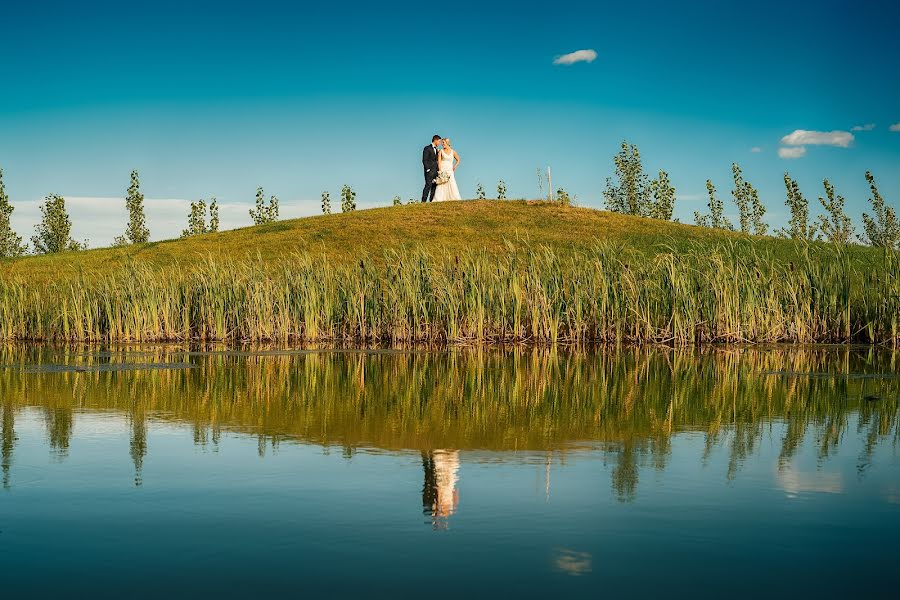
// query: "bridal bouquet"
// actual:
[[442, 177]]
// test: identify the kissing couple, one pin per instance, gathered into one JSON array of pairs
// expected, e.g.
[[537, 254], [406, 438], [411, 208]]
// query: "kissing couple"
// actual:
[[440, 161]]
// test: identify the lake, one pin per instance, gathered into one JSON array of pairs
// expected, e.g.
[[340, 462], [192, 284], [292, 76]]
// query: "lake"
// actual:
[[151, 471]]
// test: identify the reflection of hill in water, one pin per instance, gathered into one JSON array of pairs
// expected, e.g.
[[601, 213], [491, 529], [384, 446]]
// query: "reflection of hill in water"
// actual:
[[632, 400]]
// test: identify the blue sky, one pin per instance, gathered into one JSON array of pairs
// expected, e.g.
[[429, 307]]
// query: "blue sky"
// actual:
[[217, 98]]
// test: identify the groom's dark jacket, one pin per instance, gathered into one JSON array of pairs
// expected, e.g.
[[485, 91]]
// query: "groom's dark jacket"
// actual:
[[430, 161]]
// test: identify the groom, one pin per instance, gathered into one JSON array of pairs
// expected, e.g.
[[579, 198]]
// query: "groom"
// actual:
[[430, 163]]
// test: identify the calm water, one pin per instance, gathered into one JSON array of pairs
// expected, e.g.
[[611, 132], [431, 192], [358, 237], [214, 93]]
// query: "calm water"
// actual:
[[156, 471]]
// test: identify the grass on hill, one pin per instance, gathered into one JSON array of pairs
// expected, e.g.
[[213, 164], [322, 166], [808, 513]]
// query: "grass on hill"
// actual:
[[450, 227], [466, 272]]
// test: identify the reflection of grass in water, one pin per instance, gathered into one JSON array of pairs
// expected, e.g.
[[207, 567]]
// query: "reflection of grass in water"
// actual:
[[731, 292], [631, 400]]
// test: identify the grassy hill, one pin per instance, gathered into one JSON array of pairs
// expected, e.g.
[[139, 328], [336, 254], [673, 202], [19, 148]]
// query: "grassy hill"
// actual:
[[462, 272], [444, 227]]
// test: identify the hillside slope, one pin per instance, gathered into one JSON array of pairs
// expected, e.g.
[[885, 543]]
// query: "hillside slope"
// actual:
[[446, 227]]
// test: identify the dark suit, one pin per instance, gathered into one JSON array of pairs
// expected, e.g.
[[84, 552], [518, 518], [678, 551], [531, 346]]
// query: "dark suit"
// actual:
[[430, 164]]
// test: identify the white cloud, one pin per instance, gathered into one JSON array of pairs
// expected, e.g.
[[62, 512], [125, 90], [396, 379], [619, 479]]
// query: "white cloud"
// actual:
[[792, 152], [795, 482], [866, 127], [99, 220], [690, 197], [802, 137], [895, 127], [588, 56], [756, 149]]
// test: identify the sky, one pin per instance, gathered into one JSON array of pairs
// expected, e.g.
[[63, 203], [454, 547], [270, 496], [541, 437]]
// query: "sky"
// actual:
[[218, 98]]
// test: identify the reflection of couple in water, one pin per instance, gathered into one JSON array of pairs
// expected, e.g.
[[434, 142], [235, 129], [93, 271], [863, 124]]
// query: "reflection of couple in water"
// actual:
[[439, 494]]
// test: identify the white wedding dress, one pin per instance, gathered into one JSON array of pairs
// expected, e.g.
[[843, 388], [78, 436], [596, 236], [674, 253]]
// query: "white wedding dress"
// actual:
[[447, 191]]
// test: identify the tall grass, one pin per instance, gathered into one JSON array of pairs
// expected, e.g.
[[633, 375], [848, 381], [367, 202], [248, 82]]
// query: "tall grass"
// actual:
[[735, 292]]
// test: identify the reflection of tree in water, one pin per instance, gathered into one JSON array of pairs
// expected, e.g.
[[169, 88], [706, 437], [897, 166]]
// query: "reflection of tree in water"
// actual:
[[632, 401], [7, 440], [59, 423], [439, 494], [138, 444], [625, 473]]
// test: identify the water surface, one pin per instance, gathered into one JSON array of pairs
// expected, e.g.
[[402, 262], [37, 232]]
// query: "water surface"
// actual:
[[157, 471]]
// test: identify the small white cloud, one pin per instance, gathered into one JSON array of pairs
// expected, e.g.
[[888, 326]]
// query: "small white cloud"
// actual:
[[866, 127], [792, 152], [895, 127], [756, 149], [587, 56], [802, 137], [691, 197]]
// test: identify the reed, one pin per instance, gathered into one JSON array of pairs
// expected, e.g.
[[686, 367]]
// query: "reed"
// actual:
[[698, 293]]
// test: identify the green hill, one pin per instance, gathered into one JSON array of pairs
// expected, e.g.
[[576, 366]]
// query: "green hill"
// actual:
[[450, 227], [462, 272]]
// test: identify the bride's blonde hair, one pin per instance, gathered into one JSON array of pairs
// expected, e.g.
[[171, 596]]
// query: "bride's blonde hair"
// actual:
[[447, 141]]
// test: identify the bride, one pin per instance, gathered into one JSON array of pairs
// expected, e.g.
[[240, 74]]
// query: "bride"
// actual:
[[447, 191]]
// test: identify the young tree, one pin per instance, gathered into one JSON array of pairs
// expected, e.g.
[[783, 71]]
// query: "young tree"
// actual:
[[197, 218], [10, 243], [741, 198], [716, 218], [53, 233], [326, 203], [663, 192], [836, 227], [750, 208], [214, 215], [882, 230], [137, 232], [501, 190], [262, 213], [348, 199], [562, 196], [799, 227], [479, 192], [631, 194]]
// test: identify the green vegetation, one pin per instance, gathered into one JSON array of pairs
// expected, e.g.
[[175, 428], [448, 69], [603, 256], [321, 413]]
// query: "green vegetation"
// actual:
[[663, 195], [799, 227], [629, 195], [750, 209], [348, 199], [197, 219], [10, 244], [53, 233], [882, 230], [834, 226], [263, 213], [437, 228], [469, 272], [136, 232], [716, 217], [632, 193], [687, 291]]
